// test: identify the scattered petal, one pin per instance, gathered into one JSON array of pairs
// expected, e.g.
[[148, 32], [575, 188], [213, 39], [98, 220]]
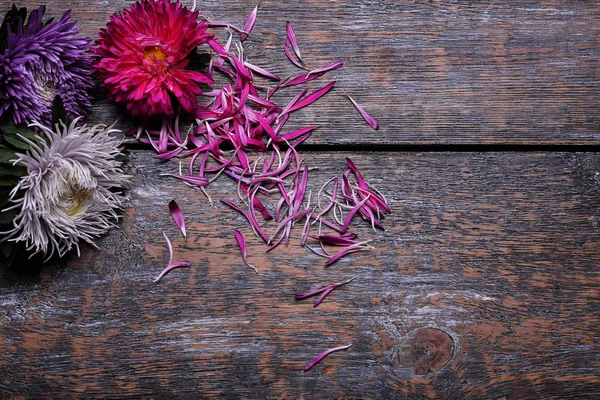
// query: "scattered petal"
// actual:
[[311, 98], [291, 37], [324, 354], [177, 217], [290, 57], [249, 24], [242, 243], [368, 119], [171, 265]]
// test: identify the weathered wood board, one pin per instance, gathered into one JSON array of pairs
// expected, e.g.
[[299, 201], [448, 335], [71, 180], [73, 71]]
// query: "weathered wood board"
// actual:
[[431, 72], [485, 284]]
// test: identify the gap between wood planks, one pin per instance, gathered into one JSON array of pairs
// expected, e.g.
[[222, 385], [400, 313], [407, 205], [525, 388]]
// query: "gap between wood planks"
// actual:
[[431, 148]]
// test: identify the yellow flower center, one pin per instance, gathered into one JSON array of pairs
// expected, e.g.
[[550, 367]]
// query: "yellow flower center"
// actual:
[[154, 53], [74, 199]]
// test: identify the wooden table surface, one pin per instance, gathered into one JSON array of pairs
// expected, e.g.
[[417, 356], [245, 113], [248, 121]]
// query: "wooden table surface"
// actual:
[[485, 283]]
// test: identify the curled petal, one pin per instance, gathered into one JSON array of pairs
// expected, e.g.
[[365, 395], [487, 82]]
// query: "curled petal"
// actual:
[[291, 37], [170, 267], [242, 243], [324, 354]]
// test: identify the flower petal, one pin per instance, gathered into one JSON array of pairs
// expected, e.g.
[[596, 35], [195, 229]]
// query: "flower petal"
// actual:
[[249, 24], [311, 98], [169, 267], [368, 119], [291, 36], [177, 217], [324, 354], [242, 243]]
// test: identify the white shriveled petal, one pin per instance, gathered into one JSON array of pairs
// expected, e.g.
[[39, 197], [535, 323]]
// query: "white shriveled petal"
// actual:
[[69, 193]]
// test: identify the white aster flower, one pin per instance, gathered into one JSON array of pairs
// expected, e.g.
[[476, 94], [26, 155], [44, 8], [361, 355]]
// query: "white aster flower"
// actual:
[[69, 192]]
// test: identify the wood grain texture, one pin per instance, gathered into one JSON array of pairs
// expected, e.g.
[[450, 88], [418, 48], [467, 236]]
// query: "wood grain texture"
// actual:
[[500, 251], [431, 72]]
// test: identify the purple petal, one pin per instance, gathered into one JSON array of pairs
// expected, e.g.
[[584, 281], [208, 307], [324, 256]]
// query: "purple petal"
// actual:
[[177, 216], [322, 296], [302, 296], [311, 98], [368, 119], [342, 240], [249, 24], [291, 36], [324, 354]]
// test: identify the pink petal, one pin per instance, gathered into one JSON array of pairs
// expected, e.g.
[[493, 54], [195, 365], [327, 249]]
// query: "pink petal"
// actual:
[[170, 154], [303, 78], [350, 249], [254, 224], [261, 71], [326, 68], [216, 46], [290, 57], [311, 98], [324, 354], [242, 243], [177, 216], [368, 119], [291, 36], [170, 267], [297, 133], [193, 180], [352, 212], [249, 24], [290, 218], [220, 24], [170, 247]]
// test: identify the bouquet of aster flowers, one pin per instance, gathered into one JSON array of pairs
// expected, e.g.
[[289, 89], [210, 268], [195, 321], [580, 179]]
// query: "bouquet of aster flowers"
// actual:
[[59, 179]]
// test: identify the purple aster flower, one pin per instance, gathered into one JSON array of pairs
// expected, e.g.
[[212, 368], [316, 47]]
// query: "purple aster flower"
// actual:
[[39, 61]]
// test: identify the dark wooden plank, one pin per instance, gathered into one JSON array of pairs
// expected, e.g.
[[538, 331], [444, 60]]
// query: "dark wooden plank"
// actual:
[[431, 72], [488, 259]]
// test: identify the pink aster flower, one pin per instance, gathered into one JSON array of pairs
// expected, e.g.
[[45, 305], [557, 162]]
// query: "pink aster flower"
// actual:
[[143, 55]]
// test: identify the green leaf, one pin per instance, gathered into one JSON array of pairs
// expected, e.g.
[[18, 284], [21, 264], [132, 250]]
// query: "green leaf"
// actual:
[[6, 156], [22, 130], [14, 140], [10, 170]]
